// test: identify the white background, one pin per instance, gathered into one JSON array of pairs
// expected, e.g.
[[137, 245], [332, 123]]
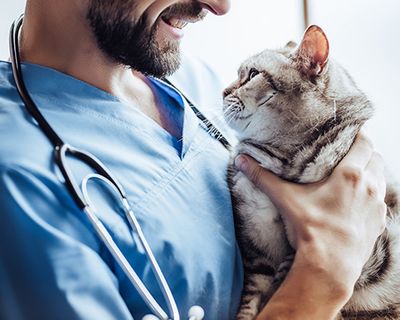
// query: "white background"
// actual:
[[364, 36]]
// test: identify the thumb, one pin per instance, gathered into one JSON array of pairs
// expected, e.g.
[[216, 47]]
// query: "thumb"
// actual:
[[267, 182]]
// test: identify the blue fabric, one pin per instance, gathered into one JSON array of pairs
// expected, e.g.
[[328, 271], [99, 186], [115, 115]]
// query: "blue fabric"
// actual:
[[52, 266], [168, 96]]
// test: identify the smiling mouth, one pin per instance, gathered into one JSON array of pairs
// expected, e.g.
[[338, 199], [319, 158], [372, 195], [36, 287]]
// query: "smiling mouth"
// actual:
[[175, 22], [179, 16]]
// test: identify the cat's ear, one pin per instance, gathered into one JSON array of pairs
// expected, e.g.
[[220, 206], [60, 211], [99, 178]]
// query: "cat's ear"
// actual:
[[313, 53]]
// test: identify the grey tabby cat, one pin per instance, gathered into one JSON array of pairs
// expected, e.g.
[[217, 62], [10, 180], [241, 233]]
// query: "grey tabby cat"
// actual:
[[297, 113]]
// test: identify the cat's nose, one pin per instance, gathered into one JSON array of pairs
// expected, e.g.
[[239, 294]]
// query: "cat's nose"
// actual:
[[218, 7], [227, 92], [231, 88]]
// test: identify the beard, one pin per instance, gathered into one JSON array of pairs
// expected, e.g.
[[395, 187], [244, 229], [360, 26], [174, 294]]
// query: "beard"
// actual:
[[134, 43]]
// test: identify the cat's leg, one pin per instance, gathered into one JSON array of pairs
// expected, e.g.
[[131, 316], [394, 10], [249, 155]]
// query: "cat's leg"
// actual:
[[378, 288], [283, 270], [390, 313], [392, 198], [255, 293], [262, 241]]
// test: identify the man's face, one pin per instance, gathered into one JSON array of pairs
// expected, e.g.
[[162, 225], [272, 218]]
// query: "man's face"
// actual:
[[145, 34]]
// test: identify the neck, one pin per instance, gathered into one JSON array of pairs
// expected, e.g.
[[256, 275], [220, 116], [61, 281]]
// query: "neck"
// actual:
[[56, 34]]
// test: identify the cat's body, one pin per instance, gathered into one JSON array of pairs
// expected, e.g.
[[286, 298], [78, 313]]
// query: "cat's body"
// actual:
[[298, 115]]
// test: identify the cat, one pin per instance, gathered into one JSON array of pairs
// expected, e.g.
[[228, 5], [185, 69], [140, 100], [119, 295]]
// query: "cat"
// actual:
[[297, 112]]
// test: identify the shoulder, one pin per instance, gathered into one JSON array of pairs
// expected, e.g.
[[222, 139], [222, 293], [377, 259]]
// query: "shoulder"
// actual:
[[8, 94], [21, 142]]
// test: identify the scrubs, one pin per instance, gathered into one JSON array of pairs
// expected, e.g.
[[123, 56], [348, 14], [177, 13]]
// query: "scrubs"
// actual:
[[52, 265]]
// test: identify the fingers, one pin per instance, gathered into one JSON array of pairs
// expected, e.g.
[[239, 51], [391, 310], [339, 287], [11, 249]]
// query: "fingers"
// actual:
[[376, 187], [375, 174], [267, 182], [359, 154]]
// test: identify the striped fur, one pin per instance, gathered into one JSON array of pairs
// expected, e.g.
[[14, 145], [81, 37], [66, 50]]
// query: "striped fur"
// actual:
[[300, 125]]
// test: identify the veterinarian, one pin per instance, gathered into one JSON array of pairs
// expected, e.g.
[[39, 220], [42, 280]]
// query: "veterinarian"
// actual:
[[92, 68]]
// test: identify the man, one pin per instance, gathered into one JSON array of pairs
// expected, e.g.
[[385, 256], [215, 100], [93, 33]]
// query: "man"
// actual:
[[90, 66]]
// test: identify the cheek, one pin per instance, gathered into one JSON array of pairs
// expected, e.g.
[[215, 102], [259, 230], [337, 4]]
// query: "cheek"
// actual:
[[259, 95], [249, 97], [254, 93]]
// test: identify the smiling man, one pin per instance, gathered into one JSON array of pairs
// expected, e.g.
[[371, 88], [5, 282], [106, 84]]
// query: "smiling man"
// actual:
[[149, 40], [93, 67]]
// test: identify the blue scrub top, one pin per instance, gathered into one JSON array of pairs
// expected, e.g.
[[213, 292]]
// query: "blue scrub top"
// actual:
[[52, 265]]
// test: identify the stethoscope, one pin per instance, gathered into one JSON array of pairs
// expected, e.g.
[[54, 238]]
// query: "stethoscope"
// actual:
[[104, 176]]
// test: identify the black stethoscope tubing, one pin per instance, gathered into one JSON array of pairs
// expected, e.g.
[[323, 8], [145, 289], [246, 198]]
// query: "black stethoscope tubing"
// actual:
[[61, 148]]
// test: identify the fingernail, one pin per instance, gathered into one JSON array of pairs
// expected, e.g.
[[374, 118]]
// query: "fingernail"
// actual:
[[241, 163]]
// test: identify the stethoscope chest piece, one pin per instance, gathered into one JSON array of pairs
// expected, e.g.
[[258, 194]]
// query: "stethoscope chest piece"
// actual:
[[195, 313]]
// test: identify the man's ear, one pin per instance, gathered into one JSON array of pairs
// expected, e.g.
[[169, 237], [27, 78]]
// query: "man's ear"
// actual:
[[312, 55]]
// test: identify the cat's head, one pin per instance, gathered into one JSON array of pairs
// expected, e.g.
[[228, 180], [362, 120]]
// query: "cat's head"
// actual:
[[283, 96]]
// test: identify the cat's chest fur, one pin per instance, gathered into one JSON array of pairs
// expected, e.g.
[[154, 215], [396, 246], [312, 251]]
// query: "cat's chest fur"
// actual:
[[259, 221]]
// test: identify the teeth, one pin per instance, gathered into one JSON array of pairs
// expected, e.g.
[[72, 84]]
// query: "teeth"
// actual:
[[177, 23]]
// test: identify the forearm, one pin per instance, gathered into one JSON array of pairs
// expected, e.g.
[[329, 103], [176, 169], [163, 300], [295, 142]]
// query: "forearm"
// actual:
[[310, 291]]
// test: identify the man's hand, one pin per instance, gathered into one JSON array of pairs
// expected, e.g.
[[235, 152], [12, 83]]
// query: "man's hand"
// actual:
[[335, 224]]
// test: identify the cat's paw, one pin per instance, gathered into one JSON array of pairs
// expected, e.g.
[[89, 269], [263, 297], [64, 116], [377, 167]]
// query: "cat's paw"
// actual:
[[248, 311], [283, 270], [392, 198]]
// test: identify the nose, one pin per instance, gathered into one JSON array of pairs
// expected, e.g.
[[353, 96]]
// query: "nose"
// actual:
[[231, 88], [218, 7], [227, 92]]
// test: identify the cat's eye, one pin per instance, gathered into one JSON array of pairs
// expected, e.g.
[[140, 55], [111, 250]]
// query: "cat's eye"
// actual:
[[253, 72]]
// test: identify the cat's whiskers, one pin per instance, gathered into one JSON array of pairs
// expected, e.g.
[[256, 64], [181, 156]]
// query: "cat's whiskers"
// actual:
[[295, 116], [230, 117], [229, 108], [214, 117]]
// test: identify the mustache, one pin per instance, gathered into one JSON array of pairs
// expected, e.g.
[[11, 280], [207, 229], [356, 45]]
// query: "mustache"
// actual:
[[193, 11]]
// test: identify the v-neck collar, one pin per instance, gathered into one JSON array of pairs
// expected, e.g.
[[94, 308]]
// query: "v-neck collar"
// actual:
[[61, 90], [190, 120]]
